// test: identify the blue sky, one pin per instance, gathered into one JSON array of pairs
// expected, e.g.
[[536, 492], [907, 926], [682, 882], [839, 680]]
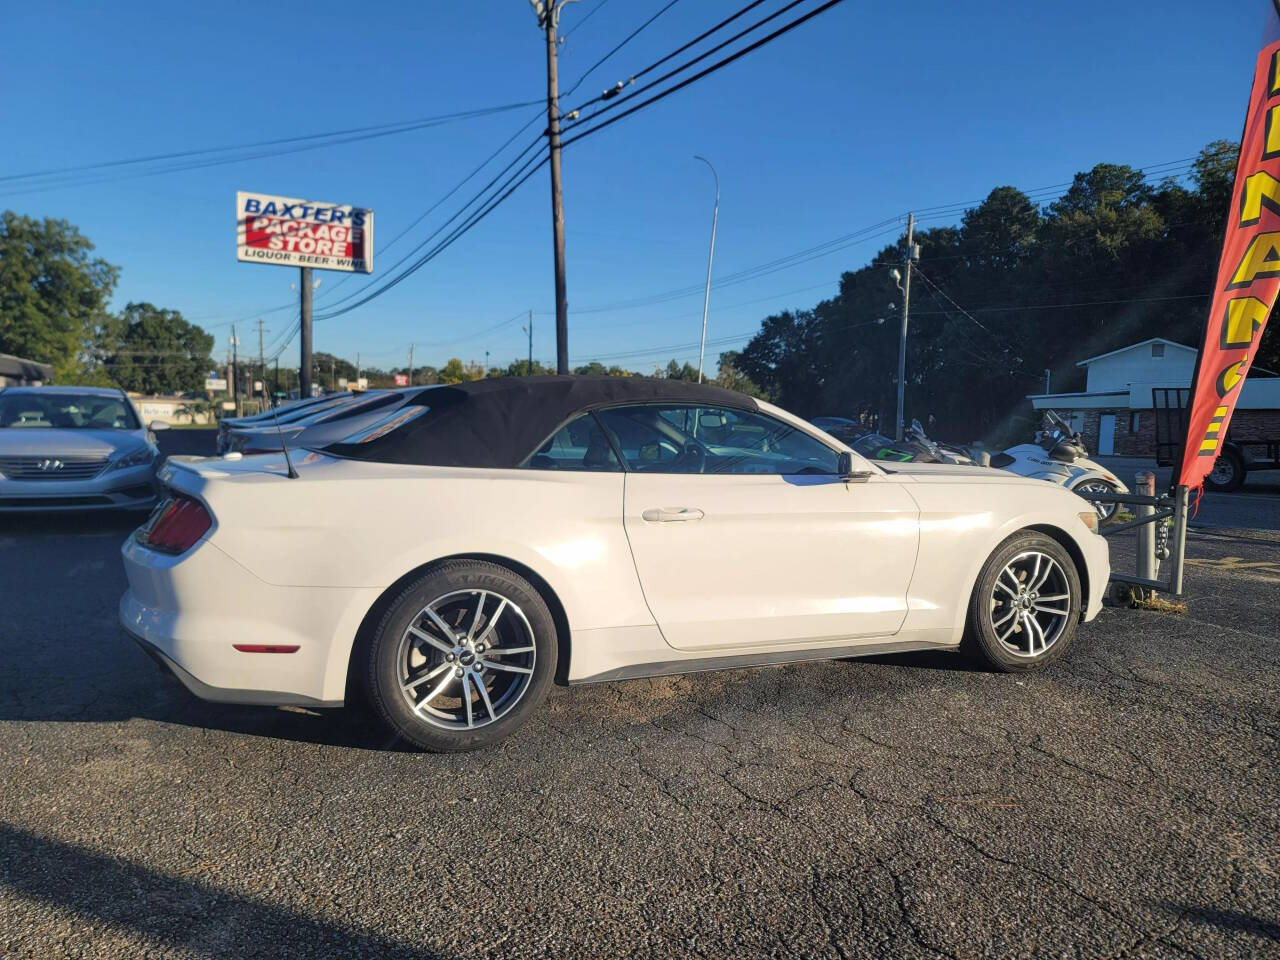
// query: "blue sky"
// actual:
[[868, 111]]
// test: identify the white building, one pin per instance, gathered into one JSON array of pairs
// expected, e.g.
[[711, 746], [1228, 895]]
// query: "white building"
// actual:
[[1115, 412]]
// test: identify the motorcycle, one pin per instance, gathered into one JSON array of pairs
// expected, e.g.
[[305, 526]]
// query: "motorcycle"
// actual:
[[914, 447], [1058, 455]]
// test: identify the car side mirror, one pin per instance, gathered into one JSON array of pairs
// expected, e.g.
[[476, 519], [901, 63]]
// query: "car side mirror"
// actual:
[[844, 467], [155, 425]]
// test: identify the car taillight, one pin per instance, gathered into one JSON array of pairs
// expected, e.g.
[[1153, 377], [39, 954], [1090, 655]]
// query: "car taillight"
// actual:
[[178, 526]]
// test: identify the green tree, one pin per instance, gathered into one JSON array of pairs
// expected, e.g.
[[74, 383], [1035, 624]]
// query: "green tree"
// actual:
[[1009, 292], [731, 378], [53, 293], [455, 371], [521, 368], [156, 351], [597, 369], [675, 370]]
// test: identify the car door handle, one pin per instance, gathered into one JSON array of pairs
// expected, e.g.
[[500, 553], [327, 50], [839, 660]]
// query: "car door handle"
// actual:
[[672, 514]]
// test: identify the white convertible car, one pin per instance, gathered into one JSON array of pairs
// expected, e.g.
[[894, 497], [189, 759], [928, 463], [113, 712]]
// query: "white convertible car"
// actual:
[[485, 540]]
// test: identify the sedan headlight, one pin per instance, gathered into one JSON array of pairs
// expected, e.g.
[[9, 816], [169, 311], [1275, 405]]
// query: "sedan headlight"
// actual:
[[1090, 519], [137, 458]]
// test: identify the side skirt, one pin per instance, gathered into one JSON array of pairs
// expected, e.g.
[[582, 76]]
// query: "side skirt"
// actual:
[[666, 668]]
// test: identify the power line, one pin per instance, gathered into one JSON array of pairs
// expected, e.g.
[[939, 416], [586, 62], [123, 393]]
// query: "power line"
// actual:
[[524, 173], [625, 40], [718, 65], [679, 50], [511, 185], [590, 13], [946, 296], [85, 175]]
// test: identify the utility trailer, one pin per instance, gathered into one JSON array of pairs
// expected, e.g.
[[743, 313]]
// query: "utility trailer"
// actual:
[[1235, 461]]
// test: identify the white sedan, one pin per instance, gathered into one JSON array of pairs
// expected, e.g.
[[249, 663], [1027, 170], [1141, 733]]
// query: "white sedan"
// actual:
[[488, 539]]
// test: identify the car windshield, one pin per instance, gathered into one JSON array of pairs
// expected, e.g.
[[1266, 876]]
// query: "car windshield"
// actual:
[[66, 411]]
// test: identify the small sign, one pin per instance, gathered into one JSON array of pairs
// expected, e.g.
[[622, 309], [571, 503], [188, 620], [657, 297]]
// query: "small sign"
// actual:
[[342, 383], [257, 386], [215, 384], [289, 232], [228, 404], [401, 379]]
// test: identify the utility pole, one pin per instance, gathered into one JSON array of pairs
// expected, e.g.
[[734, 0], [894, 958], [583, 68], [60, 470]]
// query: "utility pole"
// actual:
[[548, 13], [529, 370], [910, 257], [357, 383], [304, 378], [706, 297], [411, 364]]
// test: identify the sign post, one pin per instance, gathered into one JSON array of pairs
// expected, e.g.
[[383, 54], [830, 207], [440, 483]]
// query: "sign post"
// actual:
[[304, 379]]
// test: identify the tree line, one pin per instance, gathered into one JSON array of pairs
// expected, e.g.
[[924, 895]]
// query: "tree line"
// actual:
[[54, 296], [1013, 291], [1014, 294]]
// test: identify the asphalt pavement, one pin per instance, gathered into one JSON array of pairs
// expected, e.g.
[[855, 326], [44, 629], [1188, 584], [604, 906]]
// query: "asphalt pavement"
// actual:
[[1122, 803]]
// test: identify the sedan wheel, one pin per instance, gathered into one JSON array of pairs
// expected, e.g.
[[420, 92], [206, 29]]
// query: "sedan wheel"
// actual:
[[1026, 604], [1030, 604], [466, 659], [462, 657]]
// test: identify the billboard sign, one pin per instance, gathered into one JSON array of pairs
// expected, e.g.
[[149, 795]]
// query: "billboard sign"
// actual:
[[401, 379], [289, 232], [215, 384]]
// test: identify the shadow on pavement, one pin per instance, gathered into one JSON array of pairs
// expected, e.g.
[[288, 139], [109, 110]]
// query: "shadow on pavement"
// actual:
[[950, 661], [1234, 920], [67, 660], [173, 911]]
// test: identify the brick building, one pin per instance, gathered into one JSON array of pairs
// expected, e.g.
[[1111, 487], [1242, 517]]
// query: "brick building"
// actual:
[[1115, 411]]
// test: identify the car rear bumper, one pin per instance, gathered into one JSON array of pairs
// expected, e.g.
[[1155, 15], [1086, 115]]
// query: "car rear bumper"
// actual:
[[131, 489], [190, 612], [222, 694]]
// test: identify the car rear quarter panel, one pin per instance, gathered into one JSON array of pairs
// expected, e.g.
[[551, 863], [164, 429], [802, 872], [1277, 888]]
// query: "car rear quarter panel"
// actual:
[[343, 524]]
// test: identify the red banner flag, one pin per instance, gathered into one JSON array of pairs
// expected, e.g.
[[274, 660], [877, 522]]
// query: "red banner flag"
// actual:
[[1248, 273]]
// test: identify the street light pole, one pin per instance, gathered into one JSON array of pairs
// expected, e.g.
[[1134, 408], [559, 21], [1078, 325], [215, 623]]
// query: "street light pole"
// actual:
[[529, 370], [706, 297], [902, 334]]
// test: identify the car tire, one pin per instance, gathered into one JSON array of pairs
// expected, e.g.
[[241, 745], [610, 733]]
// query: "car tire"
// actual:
[[1105, 511], [1227, 474], [502, 638], [1015, 623]]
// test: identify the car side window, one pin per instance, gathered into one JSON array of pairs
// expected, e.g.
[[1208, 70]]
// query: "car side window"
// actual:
[[579, 445], [684, 438]]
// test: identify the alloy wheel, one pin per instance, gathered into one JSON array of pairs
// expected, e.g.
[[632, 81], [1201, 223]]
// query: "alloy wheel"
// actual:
[[1104, 510], [1030, 604], [466, 659]]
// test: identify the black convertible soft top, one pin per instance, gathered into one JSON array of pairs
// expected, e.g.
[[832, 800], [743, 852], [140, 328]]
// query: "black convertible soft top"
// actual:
[[500, 421]]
